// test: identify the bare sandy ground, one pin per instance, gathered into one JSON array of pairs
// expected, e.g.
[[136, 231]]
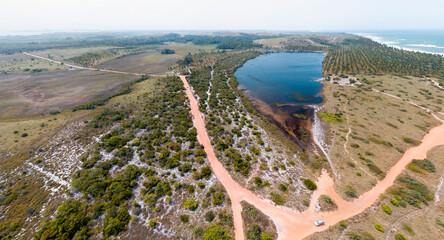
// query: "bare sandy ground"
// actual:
[[292, 224]]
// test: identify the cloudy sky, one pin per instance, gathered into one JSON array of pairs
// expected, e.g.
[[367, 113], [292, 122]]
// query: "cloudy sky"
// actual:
[[315, 15]]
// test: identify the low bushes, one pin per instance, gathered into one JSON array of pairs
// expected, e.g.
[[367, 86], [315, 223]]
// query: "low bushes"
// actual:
[[190, 204], [277, 198], [379, 228], [411, 141], [343, 224], [351, 192], [387, 209], [309, 184], [399, 236], [394, 202], [70, 221], [331, 118]]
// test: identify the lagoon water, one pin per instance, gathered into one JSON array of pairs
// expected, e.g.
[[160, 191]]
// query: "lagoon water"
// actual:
[[284, 78]]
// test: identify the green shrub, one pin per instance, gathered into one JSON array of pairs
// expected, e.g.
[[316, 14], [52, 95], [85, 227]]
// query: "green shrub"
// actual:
[[152, 224], [218, 199], [423, 164], [402, 204], [71, 220], [351, 192], [282, 187], [277, 198], [258, 182], [439, 222], [343, 224], [408, 229], [309, 184], [354, 145], [353, 236], [394, 202], [184, 218], [399, 236], [331, 118], [411, 141], [387, 209], [215, 232], [116, 221], [264, 236], [209, 216], [254, 232], [190, 204], [379, 228]]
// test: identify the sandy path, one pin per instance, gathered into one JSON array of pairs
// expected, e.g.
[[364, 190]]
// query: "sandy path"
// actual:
[[292, 224], [80, 67]]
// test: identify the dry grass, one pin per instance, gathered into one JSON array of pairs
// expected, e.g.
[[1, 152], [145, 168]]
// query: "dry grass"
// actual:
[[422, 222], [378, 124], [272, 42], [153, 62], [29, 95]]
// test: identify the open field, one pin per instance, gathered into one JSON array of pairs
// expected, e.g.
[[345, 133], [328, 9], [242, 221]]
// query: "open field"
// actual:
[[154, 62], [23, 64], [371, 129], [272, 42], [22, 95], [412, 222]]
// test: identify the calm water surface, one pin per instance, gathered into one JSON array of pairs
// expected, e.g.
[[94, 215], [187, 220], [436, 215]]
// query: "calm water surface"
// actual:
[[283, 78]]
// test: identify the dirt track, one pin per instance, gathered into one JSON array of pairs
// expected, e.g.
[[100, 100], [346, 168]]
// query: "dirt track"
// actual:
[[292, 224]]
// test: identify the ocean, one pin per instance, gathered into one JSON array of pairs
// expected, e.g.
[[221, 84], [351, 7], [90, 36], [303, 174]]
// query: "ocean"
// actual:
[[430, 41]]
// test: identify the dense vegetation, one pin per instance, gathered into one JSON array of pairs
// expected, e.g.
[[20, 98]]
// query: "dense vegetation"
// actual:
[[167, 51], [226, 117], [16, 44], [168, 143], [364, 56]]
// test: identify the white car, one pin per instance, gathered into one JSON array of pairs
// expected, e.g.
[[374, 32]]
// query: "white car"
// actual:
[[319, 223]]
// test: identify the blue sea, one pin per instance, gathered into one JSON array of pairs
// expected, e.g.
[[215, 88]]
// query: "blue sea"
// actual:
[[430, 41], [284, 78]]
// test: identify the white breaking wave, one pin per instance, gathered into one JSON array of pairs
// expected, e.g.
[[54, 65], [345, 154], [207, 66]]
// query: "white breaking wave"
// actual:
[[425, 45], [392, 44]]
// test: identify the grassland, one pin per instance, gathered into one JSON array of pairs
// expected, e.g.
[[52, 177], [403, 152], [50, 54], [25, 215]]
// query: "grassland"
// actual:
[[22, 64], [30, 95], [154, 62], [376, 128], [413, 222]]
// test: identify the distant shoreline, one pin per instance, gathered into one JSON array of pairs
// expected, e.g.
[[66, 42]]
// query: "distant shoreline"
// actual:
[[392, 44]]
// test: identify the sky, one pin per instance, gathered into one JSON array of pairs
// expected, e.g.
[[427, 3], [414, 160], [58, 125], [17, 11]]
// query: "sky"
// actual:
[[285, 15]]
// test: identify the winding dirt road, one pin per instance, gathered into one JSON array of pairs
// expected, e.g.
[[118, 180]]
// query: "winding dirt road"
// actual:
[[292, 224]]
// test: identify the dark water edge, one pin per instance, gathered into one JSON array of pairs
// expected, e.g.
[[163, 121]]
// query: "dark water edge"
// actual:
[[283, 88]]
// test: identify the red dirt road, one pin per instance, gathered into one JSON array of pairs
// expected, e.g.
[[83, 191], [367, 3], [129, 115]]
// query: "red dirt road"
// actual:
[[292, 224]]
